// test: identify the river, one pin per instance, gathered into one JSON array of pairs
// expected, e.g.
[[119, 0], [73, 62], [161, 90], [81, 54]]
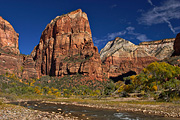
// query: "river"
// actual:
[[87, 112]]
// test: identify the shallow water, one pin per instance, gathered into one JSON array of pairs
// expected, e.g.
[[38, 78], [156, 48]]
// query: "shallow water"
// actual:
[[87, 112]]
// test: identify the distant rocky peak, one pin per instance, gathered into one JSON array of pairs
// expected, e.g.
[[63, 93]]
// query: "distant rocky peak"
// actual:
[[72, 15], [115, 45], [77, 13], [120, 56], [169, 40]]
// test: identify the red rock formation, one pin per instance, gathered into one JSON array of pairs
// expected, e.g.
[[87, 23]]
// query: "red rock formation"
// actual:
[[28, 68], [177, 45], [66, 47], [8, 37], [11, 61], [121, 56]]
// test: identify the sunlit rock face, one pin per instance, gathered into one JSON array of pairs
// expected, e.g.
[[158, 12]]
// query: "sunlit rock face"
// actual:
[[10, 61], [66, 48], [8, 37], [123, 57]]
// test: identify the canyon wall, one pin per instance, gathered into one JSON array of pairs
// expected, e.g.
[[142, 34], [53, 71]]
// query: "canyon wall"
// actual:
[[122, 57], [10, 62], [8, 37], [66, 48]]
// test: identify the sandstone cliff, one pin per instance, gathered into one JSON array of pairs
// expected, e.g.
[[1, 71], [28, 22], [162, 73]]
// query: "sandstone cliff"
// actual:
[[160, 49], [8, 37], [11, 61], [66, 48], [121, 56]]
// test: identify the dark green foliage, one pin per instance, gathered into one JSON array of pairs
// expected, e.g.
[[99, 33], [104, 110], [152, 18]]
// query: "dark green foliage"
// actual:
[[12, 86], [110, 88], [160, 79], [76, 85], [175, 60]]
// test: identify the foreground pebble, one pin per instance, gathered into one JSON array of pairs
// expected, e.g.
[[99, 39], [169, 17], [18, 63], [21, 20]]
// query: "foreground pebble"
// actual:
[[20, 113]]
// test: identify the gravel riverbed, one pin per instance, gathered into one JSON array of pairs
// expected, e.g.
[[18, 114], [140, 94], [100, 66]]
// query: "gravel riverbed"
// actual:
[[15, 112]]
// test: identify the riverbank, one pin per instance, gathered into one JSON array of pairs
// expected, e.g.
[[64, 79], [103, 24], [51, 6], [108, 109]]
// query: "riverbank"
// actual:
[[16, 112], [119, 104], [146, 107]]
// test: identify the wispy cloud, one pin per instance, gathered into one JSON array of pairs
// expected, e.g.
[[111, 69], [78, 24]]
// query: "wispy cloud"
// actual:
[[170, 9], [150, 2], [113, 6], [142, 37], [136, 35], [130, 29], [111, 36], [129, 32], [177, 28]]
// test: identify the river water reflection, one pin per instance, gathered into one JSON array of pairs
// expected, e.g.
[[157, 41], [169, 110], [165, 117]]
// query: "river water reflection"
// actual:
[[87, 112]]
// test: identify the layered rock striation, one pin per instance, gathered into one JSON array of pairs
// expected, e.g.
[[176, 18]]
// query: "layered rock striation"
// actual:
[[121, 56], [66, 47], [11, 61], [8, 37], [160, 49]]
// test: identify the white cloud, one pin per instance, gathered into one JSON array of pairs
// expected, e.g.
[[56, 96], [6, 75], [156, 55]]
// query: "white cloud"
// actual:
[[177, 28], [129, 32], [113, 6], [111, 36], [170, 9], [136, 35], [150, 2], [97, 41], [142, 37], [130, 28]]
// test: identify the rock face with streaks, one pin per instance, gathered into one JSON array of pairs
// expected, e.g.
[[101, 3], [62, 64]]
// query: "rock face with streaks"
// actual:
[[123, 57], [11, 61], [66, 48], [8, 37], [28, 68], [160, 49]]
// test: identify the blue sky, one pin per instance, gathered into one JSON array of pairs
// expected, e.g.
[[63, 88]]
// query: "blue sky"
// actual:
[[133, 20]]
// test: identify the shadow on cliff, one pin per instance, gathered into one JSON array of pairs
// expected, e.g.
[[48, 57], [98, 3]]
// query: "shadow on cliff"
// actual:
[[120, 77]]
